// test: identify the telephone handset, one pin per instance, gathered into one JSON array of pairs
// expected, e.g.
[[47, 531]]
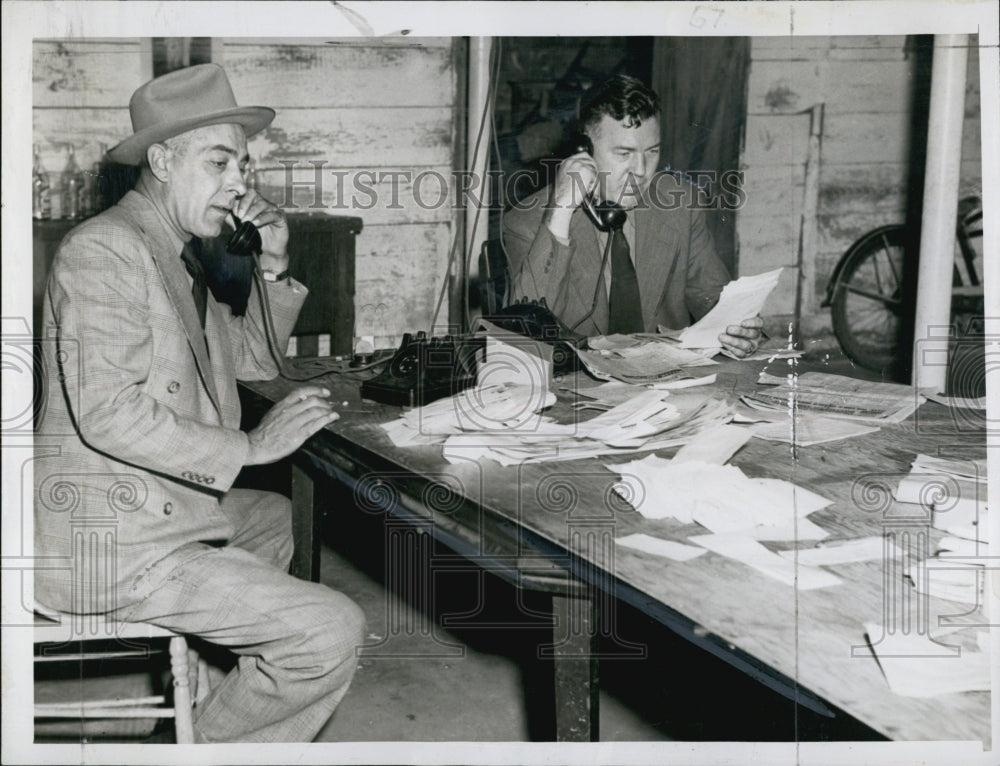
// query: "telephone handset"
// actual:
[[245, 240], [607, 216]]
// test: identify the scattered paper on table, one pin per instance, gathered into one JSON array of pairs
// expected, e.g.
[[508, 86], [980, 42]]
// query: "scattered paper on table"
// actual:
[[720, 498], [959, 546], [740, 299], [639, 362], [916, 666], [861, 549], [959, 402], [753, 554], [647, 420], [714, 445], [504, 408], [968, 469], [513, 358], [950, 578], [659, 547], [808, 429], [836, 396]]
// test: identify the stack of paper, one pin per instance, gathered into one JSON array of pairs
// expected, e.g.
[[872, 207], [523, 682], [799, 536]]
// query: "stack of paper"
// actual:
[[836, 396], [640, 359]]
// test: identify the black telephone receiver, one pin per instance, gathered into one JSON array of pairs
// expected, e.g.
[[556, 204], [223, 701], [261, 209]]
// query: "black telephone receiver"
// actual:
[[245, 240], [607, 216]]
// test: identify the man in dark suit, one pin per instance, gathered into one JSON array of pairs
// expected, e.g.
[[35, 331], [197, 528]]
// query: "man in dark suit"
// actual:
[[140, 441], [662, 269]]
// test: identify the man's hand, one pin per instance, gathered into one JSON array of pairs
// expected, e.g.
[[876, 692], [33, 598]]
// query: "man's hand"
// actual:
[[741, 340], [271, 222], [575, 179], [289, 423]]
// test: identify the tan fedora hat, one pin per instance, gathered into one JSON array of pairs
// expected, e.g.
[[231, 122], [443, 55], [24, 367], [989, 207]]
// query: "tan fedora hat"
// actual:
[[181, 101]]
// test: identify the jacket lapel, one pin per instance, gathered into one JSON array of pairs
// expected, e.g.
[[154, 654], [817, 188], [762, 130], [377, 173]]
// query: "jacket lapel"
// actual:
[[175, 282], [586, 274], [654, 259]]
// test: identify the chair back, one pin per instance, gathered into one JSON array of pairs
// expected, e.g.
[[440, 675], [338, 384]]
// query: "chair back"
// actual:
[[494, 277]]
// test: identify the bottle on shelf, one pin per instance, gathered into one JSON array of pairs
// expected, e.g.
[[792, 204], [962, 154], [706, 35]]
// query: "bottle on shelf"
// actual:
[[99, 181], [41, 199], [73, 187], [250, 175]]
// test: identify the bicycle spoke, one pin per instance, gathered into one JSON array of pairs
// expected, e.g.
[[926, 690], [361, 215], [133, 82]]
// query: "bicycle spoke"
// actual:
[[887, 300]]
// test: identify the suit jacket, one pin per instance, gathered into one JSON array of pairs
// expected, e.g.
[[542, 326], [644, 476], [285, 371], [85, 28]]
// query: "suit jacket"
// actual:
[[680, 276], [140, 433]]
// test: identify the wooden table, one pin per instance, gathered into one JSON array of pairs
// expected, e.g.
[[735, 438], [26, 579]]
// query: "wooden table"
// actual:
[[551, 527]]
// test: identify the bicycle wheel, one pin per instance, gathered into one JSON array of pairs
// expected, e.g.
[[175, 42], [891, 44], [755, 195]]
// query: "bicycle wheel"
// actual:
[[867, 305]]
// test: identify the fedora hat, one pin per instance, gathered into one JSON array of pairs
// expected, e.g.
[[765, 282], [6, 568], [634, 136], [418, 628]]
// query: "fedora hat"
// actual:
[[181, 101]]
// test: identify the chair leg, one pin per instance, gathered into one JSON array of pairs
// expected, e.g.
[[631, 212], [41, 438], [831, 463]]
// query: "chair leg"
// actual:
[[183, 721]]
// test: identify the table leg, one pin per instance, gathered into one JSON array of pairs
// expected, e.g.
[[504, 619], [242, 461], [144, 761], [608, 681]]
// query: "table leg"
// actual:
[[305, 526], [574, 654]]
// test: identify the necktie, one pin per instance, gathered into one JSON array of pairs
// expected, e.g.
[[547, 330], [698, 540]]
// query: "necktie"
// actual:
[[191, 255], [623, 303]]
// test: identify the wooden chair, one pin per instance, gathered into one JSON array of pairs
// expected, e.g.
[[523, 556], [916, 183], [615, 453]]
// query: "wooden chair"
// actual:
[[100, 638]]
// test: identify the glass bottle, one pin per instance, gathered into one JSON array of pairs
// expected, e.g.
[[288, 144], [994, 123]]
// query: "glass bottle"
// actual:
[[73, 185], [41, 199], [250, 174], [99, 181]]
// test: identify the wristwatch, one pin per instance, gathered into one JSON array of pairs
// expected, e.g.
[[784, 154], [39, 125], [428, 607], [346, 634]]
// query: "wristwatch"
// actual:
[[270, 275]]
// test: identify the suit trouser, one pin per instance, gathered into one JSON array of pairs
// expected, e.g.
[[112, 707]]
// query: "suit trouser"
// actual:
[[294, 640]]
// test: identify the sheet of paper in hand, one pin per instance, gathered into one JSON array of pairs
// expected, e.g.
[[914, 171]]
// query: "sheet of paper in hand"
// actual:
[[741, 299]]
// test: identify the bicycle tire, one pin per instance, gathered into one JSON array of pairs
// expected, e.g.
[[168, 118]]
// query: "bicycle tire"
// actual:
[[867, 305]]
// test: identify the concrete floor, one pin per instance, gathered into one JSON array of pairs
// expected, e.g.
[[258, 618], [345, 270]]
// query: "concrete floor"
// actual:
[[482, 681]]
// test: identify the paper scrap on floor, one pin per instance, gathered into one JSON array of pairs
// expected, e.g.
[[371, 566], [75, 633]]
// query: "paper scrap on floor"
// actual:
[[741, 299], [660, 547], [835, 396], [808, 429], [843, 552], [755, 555], [914, 665]]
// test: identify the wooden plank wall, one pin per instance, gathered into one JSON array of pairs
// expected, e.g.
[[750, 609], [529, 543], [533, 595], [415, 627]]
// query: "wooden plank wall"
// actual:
[[374, 115], [865, 87]]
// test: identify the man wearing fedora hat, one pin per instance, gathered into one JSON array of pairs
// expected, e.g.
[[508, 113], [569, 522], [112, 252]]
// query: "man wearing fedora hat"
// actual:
[[140, 433]]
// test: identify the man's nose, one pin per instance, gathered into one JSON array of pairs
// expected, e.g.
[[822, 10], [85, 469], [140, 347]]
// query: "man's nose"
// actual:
[[639, 164], [235, 182]]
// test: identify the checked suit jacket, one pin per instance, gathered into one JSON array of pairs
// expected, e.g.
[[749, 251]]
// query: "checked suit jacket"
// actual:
[[680, 276], [140, 431]]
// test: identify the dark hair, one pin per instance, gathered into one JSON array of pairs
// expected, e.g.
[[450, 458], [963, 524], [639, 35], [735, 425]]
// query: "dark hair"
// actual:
[[623, 98]]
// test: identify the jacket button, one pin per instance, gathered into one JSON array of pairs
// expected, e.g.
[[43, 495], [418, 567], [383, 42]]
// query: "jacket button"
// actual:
[[168, 508], [174, 387]]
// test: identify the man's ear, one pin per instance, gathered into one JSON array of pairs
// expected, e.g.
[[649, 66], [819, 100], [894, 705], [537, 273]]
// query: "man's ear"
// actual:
[[156, 156]]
